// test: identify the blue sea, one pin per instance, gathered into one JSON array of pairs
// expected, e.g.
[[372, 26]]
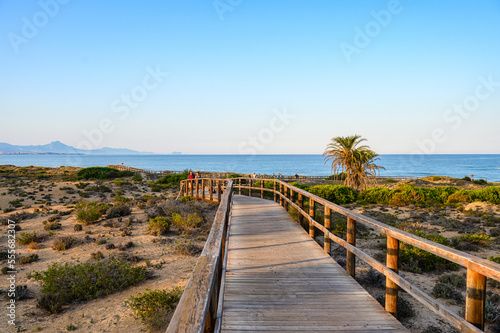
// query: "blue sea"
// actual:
[[481, 166]]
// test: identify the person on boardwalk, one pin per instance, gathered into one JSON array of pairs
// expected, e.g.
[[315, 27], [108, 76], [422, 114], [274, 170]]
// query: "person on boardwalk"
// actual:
[[198, 176], [191, 175]]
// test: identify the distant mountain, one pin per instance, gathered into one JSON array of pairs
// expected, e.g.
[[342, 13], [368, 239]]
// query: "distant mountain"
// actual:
[[57, 147]]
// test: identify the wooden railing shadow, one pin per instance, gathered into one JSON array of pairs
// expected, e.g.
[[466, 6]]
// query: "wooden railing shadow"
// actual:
[[478, 269]]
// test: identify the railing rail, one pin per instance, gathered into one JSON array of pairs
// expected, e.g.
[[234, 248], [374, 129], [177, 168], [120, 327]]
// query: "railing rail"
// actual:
[[478, 269], [198, 307]]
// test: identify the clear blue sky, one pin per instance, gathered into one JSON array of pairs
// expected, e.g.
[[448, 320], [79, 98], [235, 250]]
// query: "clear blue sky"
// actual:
[[64, 69]]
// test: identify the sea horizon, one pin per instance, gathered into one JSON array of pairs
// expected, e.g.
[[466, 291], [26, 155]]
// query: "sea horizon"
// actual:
[[482, 166]]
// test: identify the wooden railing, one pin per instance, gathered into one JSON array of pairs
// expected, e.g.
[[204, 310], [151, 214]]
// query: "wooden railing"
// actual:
[[200, 307], [478, 269]]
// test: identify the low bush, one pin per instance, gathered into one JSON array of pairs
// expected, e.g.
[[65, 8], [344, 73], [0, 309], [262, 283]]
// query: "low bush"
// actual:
[[376, 195], [301, 186], [187, 224], [453, 279], [173, 180], [64, 243], [158, 226], [89, 212], [102, 173], [447, 291], [26, 238], [338, 194], [155, 307], [470, 242], [495, 259], [77, 227], [118, 211], [52, 226], [186, 248], [28, 259], [63, 284]]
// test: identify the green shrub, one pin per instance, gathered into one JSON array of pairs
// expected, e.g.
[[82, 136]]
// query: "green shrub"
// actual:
[[470, 242], [26, 238], [64, 283], [64, 243], [234, 175], [155, 307], [338, 194], [377, 195], [340, 176], [102, 173], [77, 227], [28, 259], [88, 215], [186, 199], [297, 185], [495, 259], [52, 226], [416, 260], [458, 197], [173, 180], [119, 211], [137, 177], [158, 226], [187, 224], [453, 279], [447, 291]]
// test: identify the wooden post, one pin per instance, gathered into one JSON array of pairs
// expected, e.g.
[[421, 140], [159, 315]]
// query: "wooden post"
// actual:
[[274, 187], [286, 196], [475, 299], [192, 187], [203, 189], [327, 241], [262, 189], [219, 191], [281, 192], [301, 206], [292, 195], [312, 208], [239, 183], [211, 190], [182, 188], [391, 288], [351, 239], [250, 189], [197, 189]]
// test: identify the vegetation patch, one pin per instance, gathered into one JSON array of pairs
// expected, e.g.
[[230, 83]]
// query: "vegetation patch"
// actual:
[[338, 194], [172, 180], [102, 173], [187, 224], [158, 226], [118, 211], [62, 284], [28, 259], [89, 212], [155, 307]]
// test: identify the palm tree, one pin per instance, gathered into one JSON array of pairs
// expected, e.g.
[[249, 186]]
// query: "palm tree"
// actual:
[[356, 161]]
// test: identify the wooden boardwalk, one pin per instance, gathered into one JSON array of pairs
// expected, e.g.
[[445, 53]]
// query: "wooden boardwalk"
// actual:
[[279, 280]]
